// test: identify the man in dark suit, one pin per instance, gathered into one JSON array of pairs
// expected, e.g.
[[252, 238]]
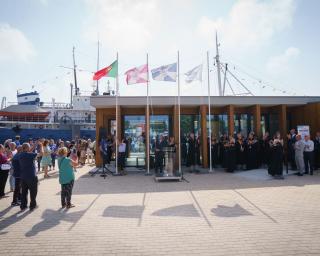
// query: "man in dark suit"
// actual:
[[159, 154]]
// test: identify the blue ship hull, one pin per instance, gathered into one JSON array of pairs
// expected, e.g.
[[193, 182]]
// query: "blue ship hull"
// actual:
[[55, 134]]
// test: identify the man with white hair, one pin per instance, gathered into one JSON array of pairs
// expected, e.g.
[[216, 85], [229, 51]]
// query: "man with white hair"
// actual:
[[299, 149], [28, 176]]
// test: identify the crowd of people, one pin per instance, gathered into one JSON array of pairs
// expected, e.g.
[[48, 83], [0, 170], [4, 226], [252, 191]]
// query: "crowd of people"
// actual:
[[22, 162], [229, 152], [240, 153]]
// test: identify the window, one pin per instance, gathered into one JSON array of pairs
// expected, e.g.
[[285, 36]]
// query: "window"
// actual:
[[189, 124], [243, 123], [159, 125], [219, 125]]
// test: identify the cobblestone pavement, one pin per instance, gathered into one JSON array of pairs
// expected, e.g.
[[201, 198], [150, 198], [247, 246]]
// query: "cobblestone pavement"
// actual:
[[215, 214]]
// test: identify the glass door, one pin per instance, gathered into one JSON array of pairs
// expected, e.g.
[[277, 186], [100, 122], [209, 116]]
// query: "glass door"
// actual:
[[159, 126], [134, 132]]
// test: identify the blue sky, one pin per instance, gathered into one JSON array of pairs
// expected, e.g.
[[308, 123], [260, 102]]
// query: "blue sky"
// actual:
[[272, 46]]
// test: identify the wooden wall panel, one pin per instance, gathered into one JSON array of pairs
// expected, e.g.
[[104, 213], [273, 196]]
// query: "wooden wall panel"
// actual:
[[175, 120], [133, 111], [283, 120], [99, 124], [306, 115], [204, 146], [147, 131], [256, 111]]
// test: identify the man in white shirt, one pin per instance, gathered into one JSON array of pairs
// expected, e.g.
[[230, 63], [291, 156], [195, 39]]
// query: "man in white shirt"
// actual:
[[298, 154], [122, 157], [308, 155]]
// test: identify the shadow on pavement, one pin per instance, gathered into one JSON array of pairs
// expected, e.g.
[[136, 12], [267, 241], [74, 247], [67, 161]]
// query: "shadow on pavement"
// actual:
[[185, 210], [52, 218], [230, 211], [219, 180], [119, 211], [13, 219]]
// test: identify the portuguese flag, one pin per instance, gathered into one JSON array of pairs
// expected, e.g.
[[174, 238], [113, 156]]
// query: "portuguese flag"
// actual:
[[110, 71]]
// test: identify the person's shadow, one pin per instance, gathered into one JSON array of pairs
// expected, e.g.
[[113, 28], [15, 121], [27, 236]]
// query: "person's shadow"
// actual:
[[14, 218], [52, 218]]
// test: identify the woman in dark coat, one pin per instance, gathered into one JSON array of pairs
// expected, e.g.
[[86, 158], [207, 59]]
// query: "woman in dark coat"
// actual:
[[191, 152], [240, 153], [265, 149], [197, 151], [252, 152], [223, 140], [275, 168], [214, 151], [230, 155]]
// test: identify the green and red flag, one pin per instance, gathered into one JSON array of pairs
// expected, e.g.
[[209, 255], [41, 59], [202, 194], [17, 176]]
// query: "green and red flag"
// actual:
[[110, 71]]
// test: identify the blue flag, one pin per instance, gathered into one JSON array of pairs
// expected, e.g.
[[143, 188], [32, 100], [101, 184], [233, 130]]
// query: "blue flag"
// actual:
[[165, 73]]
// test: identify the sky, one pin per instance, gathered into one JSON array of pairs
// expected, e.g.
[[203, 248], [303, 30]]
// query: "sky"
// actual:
[[271, 46]]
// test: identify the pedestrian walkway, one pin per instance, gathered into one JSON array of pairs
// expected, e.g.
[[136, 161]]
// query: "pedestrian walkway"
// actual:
[[214, 214]]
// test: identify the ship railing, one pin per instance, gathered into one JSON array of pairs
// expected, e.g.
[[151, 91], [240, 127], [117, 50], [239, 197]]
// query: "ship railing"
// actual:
[[56, 105], [4, 123], [24, 119]]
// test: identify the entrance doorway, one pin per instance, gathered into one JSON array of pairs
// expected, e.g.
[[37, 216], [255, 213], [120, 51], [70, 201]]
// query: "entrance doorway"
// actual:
[[134, 132]]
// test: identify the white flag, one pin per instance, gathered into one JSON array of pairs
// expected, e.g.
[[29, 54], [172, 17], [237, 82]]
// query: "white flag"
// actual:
[[194, 74]]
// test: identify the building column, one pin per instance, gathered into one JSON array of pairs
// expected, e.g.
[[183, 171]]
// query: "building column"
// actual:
[[204, 142], [257, 120], [283, 120], [119, 123], [99, 124], [175, 120], [147, 134], [230, 112]]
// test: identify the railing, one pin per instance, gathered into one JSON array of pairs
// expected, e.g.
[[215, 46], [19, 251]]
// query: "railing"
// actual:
[[57, 105]]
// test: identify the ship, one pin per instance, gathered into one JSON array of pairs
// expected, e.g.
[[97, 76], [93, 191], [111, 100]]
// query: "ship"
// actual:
[[30, 118]]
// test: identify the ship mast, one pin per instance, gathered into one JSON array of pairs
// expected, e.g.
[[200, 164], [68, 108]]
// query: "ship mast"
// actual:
[[75, 73], [218, 66]]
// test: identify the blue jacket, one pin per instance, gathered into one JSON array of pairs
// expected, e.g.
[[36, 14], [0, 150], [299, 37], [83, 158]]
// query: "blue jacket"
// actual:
[[16, 166], [26, 164]]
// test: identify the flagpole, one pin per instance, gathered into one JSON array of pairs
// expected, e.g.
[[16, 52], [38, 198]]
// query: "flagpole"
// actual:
[[209, 110], [179, 115], [117, 91], [148, 120]]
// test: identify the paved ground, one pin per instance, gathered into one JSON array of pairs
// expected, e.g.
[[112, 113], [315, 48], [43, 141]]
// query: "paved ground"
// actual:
[[215, 214]]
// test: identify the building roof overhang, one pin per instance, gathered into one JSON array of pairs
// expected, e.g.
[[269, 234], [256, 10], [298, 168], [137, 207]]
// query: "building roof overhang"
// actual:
[[216, 101]]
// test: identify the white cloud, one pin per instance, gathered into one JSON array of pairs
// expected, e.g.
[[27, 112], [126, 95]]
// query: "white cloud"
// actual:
[[122, 25], [249, 24], [280, 64], [14, 45], [44, 2]]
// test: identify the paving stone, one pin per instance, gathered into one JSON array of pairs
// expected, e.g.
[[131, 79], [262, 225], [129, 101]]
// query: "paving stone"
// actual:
[[215, 214]]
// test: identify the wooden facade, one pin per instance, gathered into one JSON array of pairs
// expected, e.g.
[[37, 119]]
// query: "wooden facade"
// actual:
[[308, 114]]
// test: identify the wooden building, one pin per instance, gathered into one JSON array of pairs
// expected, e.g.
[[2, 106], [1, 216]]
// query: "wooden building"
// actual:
[[229, 114]]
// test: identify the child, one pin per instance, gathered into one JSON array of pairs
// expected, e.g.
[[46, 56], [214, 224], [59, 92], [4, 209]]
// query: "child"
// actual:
[[66, 177]]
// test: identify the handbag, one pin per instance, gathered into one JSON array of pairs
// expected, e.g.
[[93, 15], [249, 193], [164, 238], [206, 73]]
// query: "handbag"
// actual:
[[5, 167]]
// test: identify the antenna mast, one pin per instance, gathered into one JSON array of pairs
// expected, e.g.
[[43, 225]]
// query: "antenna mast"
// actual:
[[218, 66], [98, 59], [75, 73]]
